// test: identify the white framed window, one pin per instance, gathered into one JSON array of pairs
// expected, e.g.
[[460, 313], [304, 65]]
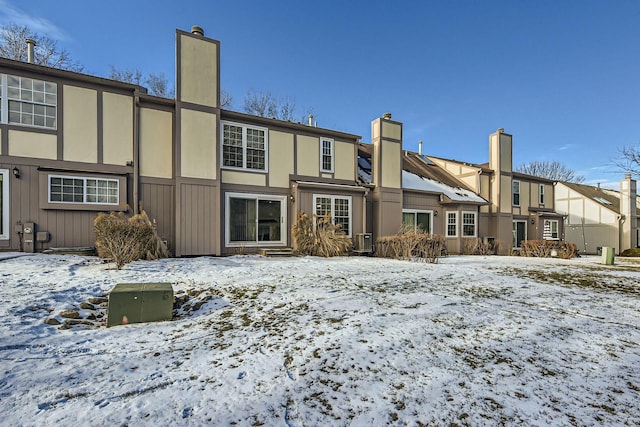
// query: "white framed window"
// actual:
[[337, 207], [550, 231], [541, 199], [255, 220], [452, 224], [244, 147], [418, 219], [326, 155], [29, 102], [83, 190], [4, 204], [516, 193], [469, 224]]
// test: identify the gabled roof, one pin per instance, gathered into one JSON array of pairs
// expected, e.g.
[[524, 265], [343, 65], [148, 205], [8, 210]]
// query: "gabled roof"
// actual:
[[605, 198], [421, 174]]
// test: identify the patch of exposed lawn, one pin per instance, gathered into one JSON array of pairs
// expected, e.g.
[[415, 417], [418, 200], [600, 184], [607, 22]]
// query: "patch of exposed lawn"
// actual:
[[592, 278]]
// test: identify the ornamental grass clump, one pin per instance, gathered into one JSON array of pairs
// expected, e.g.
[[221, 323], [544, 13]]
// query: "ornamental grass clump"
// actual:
[[318, 236], [122, 238]]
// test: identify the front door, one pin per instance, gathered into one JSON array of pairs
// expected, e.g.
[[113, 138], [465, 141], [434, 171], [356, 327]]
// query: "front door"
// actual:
[[519, 233]]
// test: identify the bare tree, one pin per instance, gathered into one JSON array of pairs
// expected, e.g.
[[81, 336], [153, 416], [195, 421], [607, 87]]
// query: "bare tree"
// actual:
[[13, 45], [157, 84], [226, 99], [127, 76], [265, 104], [262, 104], [629, 161], [555, 171]]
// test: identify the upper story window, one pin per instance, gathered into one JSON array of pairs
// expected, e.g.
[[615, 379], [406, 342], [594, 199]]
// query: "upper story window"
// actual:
[[452, 224], [541, 200], [28, 102], [67, 189], [244, 147], [326, 154], [469, 224], [516, 193]]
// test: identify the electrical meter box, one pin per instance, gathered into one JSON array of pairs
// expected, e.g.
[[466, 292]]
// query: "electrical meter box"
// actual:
[[140, 302]]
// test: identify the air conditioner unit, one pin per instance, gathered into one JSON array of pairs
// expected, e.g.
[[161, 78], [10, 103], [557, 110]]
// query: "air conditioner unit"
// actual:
[[364, 243]]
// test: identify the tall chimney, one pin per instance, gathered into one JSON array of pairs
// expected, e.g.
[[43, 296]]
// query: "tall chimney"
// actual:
[[31, 43], [310, 119], [420, 147]]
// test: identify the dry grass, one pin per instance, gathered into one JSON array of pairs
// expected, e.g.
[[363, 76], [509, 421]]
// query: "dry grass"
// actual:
[[319, 236], [409, 244], [123, 239]]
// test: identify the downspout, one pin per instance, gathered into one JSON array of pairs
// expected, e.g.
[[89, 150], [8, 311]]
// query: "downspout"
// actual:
[[136, 153]]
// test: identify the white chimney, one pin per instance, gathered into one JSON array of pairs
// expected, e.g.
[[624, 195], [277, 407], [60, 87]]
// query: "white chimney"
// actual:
[[31, 43], [420, 147], [310, 119]]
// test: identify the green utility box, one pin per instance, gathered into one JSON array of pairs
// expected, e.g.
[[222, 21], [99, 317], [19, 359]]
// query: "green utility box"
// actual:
[[608, 255], [140, 302]]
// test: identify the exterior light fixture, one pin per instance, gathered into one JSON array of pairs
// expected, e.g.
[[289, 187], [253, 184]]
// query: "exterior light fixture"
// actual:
[[16, 172], [292, 198]]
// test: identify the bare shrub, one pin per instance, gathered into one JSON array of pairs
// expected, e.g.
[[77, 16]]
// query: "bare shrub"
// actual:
[[409, 244], [323, 238], [122, 238], [480, 246], [544, 248]]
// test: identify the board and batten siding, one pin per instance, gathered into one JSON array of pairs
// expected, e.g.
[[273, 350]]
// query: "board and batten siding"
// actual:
[[158, 201], [199, 228]]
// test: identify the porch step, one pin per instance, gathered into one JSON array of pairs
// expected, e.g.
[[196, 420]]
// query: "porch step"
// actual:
[[275, 252]]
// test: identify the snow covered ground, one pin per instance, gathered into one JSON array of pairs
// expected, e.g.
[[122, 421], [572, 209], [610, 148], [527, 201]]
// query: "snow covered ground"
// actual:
[[342, 341]]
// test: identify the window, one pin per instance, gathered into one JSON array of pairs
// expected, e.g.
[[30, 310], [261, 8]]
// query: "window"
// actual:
[[28, 101], [66, 189], [542, 194], [452, 224], [326, 155], [516, 193], [4, 204], [419, 220], [253, 220], [550, 231], [244, 147], [469, 224], [337, 207]]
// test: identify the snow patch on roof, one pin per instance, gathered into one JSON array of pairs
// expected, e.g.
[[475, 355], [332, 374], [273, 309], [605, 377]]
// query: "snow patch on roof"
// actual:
[[414, 182]]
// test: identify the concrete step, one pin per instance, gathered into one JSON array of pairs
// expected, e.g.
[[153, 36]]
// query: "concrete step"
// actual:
[[274, 252]]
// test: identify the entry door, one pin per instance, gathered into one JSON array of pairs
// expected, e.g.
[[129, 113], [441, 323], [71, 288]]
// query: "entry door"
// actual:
[[519, 233]]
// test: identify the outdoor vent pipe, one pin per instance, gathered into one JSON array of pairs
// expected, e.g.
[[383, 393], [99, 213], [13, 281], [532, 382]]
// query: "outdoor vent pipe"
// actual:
[[198, 31], [420, 147], [310, 119], [31, 43]]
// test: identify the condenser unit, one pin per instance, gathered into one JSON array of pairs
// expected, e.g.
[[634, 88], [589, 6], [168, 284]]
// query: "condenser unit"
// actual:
[[363, 243]]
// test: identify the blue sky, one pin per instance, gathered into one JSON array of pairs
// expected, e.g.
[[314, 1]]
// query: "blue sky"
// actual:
[[562, 76]]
